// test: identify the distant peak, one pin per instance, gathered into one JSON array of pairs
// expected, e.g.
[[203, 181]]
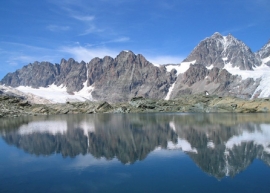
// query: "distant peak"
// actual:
[[126, 52], [230, 36], [71, 60], [63, 60], [36, 63], [217, 35]]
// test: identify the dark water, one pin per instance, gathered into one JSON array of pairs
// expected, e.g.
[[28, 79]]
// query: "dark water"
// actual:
[[136, 153]]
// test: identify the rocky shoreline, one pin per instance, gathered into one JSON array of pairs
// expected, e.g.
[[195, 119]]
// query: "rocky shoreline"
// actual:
[[13, 106]]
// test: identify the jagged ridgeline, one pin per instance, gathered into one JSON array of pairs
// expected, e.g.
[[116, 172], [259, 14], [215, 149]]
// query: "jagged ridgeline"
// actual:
[[217, 64], [118, 79]]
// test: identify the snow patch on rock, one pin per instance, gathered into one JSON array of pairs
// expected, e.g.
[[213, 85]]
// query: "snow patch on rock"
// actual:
[[261, 72], [170, 92], [182, 68]]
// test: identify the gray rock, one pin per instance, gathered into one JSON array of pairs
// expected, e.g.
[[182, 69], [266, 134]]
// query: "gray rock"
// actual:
[[71, 74], [105, 106], [34, 75], [121, 110], [216, 81], [24, 103], [195, 73], [127, 76]]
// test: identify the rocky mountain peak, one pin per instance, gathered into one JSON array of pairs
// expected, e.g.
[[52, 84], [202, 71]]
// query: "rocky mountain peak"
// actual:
[[63, 60], [126, 56], [37, 74], [71, 60], [127, 76], [217, 35], [219, 51]]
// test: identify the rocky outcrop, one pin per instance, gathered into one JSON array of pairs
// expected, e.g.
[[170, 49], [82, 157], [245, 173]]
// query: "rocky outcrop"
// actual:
[[38, 74], [194, 74], [219, 50], [71, 75], [127, 76], [216, 81]]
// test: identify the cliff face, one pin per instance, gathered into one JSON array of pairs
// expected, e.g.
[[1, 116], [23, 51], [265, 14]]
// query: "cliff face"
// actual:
[[38, 74], [71, 75], [198, 79], [127, 76]]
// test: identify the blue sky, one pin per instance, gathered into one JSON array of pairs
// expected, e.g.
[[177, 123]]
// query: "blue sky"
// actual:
[[163, 31]]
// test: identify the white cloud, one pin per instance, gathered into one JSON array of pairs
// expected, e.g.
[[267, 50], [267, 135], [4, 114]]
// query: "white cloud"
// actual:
[[83, 18], [17, 54], [57, 28], [165, 59], [117, 40], [121, 39], [86, 54], [91, 29]]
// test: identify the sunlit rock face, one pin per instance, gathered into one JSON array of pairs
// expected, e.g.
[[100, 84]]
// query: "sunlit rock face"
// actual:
[[127, 76], [221, 145]]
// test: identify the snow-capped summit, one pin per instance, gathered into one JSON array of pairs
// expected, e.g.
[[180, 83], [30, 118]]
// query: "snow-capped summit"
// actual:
[[218, 51]]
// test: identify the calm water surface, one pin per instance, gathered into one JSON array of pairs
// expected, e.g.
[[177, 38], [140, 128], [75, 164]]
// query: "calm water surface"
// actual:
[[136, 153]]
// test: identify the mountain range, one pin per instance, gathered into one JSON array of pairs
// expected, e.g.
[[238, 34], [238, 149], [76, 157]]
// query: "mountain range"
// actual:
[[221, 65]]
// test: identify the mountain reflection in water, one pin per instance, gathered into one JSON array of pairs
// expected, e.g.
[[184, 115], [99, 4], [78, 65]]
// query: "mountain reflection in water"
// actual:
[[220, 144]]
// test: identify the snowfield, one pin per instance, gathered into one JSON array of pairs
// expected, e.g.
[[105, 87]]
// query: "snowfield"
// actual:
[[182, 68], [58, 94], [261, 72]]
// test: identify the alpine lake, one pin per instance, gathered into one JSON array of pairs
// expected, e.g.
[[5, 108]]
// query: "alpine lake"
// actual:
[[142, 152]]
